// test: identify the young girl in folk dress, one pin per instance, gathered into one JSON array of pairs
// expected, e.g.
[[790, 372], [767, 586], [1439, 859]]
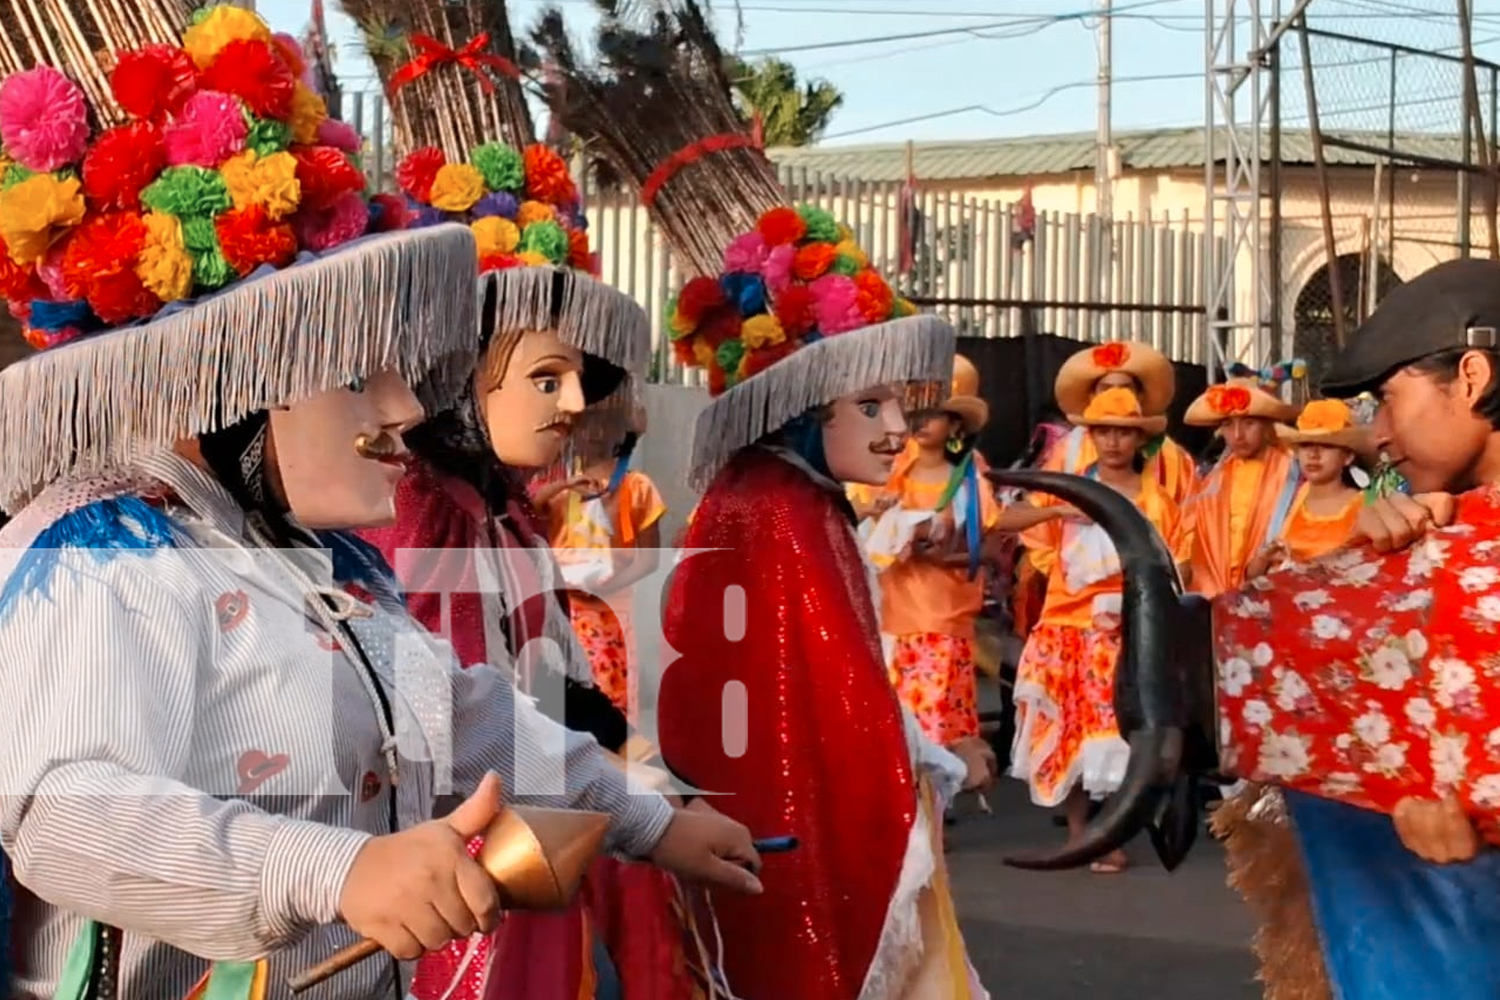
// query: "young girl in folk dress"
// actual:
[[1068, 746], [613, 513], [930, 595]]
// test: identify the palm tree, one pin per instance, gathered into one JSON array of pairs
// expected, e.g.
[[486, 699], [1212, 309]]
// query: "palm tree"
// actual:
[[788, 114]]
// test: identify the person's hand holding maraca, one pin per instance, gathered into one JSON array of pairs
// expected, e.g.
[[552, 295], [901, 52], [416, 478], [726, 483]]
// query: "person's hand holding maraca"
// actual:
[[412, 892]]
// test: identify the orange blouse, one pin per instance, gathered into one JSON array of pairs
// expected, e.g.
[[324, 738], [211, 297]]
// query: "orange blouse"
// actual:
[[1044, 542], [1308, 535], [632, 510]]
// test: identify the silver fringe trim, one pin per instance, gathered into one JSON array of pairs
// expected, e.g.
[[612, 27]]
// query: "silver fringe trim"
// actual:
[[911, 349], [594, 317], [396, 300]]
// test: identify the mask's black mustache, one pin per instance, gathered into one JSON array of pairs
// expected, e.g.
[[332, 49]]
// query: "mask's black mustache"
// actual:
[[1163, 682]]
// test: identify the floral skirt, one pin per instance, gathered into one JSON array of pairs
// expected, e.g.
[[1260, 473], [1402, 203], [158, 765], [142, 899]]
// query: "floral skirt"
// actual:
[[934, 674], [1066, 732], [606, 639]]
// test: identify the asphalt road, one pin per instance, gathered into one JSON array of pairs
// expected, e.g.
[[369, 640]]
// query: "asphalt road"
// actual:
[[1141, 935]]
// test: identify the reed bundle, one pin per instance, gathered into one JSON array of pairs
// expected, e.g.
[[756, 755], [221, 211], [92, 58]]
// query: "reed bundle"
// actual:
[[656, 88]]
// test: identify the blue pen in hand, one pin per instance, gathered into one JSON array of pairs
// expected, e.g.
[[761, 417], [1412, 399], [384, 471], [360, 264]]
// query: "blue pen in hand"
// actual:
[[775, 845]]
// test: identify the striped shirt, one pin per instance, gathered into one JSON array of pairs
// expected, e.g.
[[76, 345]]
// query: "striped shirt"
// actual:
[[192, 756]]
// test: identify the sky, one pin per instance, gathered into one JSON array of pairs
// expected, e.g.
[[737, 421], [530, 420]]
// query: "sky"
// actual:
[[976, 69]]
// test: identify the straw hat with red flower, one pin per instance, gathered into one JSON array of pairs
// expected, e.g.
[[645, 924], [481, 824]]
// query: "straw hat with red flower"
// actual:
[[1118, 407], [1238, 397], [1080, 374], [223, 227]]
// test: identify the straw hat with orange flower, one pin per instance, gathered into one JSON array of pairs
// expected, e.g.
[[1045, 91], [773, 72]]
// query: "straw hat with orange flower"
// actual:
[[1118, 407], [964, 402], [1080, 374], [1328, 422], [1238, 397]]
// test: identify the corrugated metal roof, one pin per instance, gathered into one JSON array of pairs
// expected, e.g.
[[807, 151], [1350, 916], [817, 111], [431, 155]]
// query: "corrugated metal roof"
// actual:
[[1036, 155]]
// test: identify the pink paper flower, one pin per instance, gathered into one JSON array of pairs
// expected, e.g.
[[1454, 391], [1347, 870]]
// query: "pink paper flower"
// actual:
[[43, 119], [746, 253], [339, 135], [345, 219], [50, 271], [836, 304], [210, 129], [777, 269]]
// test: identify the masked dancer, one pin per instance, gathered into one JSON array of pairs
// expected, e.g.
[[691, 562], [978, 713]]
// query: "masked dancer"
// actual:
[[216, 786]]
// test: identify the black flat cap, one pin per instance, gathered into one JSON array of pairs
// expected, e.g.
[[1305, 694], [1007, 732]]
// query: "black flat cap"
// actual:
[[1456, 304]]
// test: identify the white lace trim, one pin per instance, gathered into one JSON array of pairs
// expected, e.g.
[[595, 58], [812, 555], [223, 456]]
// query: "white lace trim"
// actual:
[[1100, 765]]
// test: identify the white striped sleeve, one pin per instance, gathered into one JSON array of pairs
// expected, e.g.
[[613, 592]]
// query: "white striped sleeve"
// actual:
[[99, 683], [540, 762]]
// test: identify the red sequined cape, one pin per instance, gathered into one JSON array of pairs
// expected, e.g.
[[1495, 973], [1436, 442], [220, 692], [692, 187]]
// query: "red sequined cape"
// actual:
[[821, 751], [1369, 678]]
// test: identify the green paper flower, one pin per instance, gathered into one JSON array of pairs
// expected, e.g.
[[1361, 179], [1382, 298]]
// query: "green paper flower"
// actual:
[[198, 16], [210, 270], [15, 174], [503, 168], [821, 225], [846, 265], [188, 192], [728, 357], [267, 137], [546, 238]]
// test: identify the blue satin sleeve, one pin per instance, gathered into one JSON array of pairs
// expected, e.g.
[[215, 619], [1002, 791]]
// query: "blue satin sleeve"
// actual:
[[1395, 927]]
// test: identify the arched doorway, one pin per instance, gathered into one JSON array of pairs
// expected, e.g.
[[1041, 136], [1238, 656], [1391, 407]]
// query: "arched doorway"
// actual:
[[1314, 339]]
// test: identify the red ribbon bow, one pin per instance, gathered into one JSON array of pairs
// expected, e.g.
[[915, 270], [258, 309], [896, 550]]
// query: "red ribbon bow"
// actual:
[[432, 53]]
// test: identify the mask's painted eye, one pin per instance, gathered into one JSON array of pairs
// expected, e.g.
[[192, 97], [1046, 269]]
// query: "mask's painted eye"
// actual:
[[357, 385]]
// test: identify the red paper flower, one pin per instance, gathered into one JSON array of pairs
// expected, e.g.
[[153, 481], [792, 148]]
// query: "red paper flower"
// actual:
[[813, 261], [498, 262], [723, 325], [795, 310], [697, 299], [122, 161], [875, 297], [101, 246], [781, 225], [716, 380], [417, 171], [579, 255], [255, 73], [1228, 400], [1110, 356], [393, 214], [16, 282], [547, 176], [762, 358], [120, 297], [291, 54], [153, 82], [248, 239], [682, 350], [325, 175]]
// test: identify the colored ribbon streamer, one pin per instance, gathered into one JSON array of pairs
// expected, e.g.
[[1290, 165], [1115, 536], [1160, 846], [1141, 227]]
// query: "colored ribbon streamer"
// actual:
[[432, 54], [691, 154]]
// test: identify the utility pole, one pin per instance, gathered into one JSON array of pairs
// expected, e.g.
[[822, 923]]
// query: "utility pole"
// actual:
[[1104, 141]]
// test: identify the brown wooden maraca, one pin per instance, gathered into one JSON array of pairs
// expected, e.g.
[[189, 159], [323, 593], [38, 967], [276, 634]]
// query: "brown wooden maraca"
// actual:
[[537, 858]]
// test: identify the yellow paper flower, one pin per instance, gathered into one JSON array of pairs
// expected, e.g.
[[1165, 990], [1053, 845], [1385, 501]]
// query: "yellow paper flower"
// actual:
[[534, 211], [1324, 416], [1113, 404], [308, 112], [270, 182], [679, 325], [456, 188], [32, 213], [762, 331], [495, 235], [703, 354], [533, 259], [846, 235], [164, 266], [848, 248], [222, 25]]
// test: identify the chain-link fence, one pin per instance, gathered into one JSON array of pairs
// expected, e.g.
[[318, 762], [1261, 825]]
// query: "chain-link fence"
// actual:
[[1425, 119]]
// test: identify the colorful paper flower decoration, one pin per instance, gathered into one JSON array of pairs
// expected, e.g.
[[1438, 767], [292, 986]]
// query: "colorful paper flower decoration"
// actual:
[[522, 204], [228, 164], [797, 277]]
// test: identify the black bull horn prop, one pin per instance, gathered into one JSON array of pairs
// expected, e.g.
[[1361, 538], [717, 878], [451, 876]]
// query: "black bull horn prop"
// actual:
[[1164, 685]]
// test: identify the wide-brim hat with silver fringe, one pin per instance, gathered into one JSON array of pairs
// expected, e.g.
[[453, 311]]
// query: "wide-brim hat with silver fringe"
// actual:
[[468, 153], [786, 313], [170, 301]]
